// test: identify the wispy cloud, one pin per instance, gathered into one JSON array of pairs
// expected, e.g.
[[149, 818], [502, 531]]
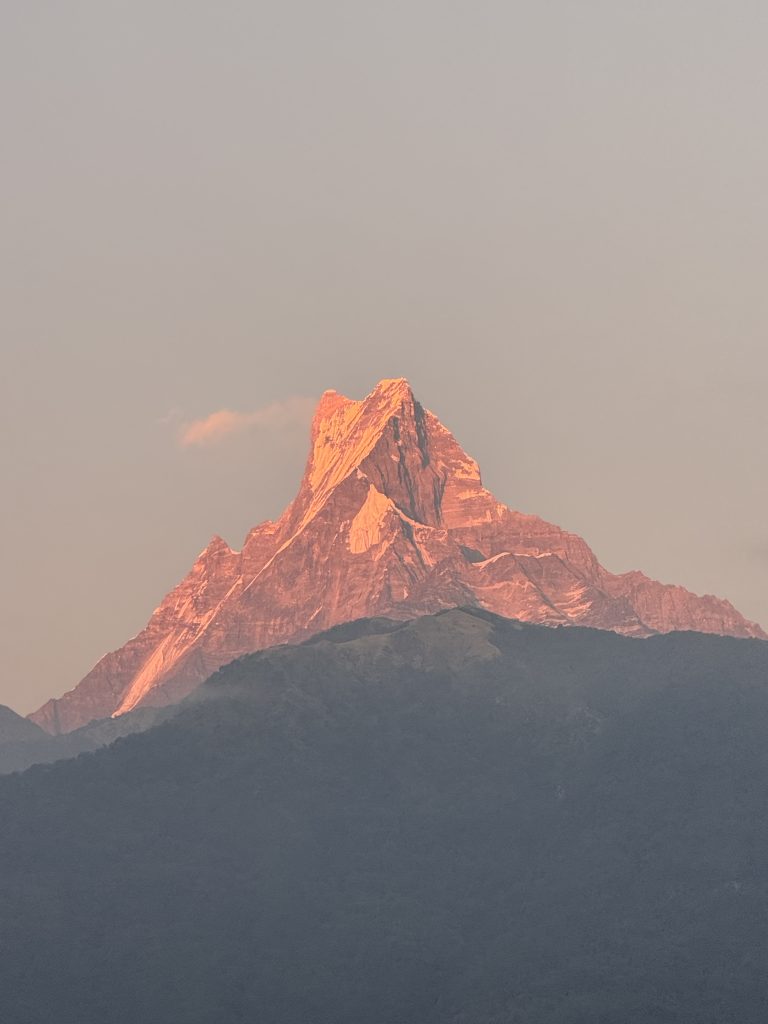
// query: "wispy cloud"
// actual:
[[223, 424]]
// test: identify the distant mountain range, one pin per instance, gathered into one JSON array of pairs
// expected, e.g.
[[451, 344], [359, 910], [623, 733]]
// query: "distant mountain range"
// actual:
[[391, 519], [457, 819]]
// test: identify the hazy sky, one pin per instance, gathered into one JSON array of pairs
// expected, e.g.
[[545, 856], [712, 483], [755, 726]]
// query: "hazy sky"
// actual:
[[551, 216]]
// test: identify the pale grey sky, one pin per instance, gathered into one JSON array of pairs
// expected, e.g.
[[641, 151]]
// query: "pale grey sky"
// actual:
[[551, 216]]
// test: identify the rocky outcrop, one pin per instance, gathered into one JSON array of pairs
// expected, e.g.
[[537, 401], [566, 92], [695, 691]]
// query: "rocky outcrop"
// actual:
[[391, 519]]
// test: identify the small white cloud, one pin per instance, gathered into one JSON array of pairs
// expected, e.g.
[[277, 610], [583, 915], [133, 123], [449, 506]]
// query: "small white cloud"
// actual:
[[217, 427]]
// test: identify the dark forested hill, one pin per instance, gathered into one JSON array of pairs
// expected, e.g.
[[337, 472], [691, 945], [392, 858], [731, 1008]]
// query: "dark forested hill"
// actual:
[[15, 729], [456, 820]]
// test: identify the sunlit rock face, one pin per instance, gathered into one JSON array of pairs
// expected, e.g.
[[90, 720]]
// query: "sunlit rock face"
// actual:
[[391, 519]]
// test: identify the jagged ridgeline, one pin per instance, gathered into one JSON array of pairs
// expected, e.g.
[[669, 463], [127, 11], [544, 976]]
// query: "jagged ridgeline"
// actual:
[[391, 519], [453, 820]]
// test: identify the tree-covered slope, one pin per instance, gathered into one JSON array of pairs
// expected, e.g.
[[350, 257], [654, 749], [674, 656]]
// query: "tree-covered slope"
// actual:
[[458, 819]]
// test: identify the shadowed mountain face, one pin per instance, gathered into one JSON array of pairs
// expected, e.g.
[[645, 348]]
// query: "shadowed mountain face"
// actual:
[[391, 519], [452, 820]]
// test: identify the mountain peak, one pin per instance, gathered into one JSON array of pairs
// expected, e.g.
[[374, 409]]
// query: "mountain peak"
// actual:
[[401, 448], [390, 392], [391, 519], [216, 546], [366, 436], [395, 388]]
